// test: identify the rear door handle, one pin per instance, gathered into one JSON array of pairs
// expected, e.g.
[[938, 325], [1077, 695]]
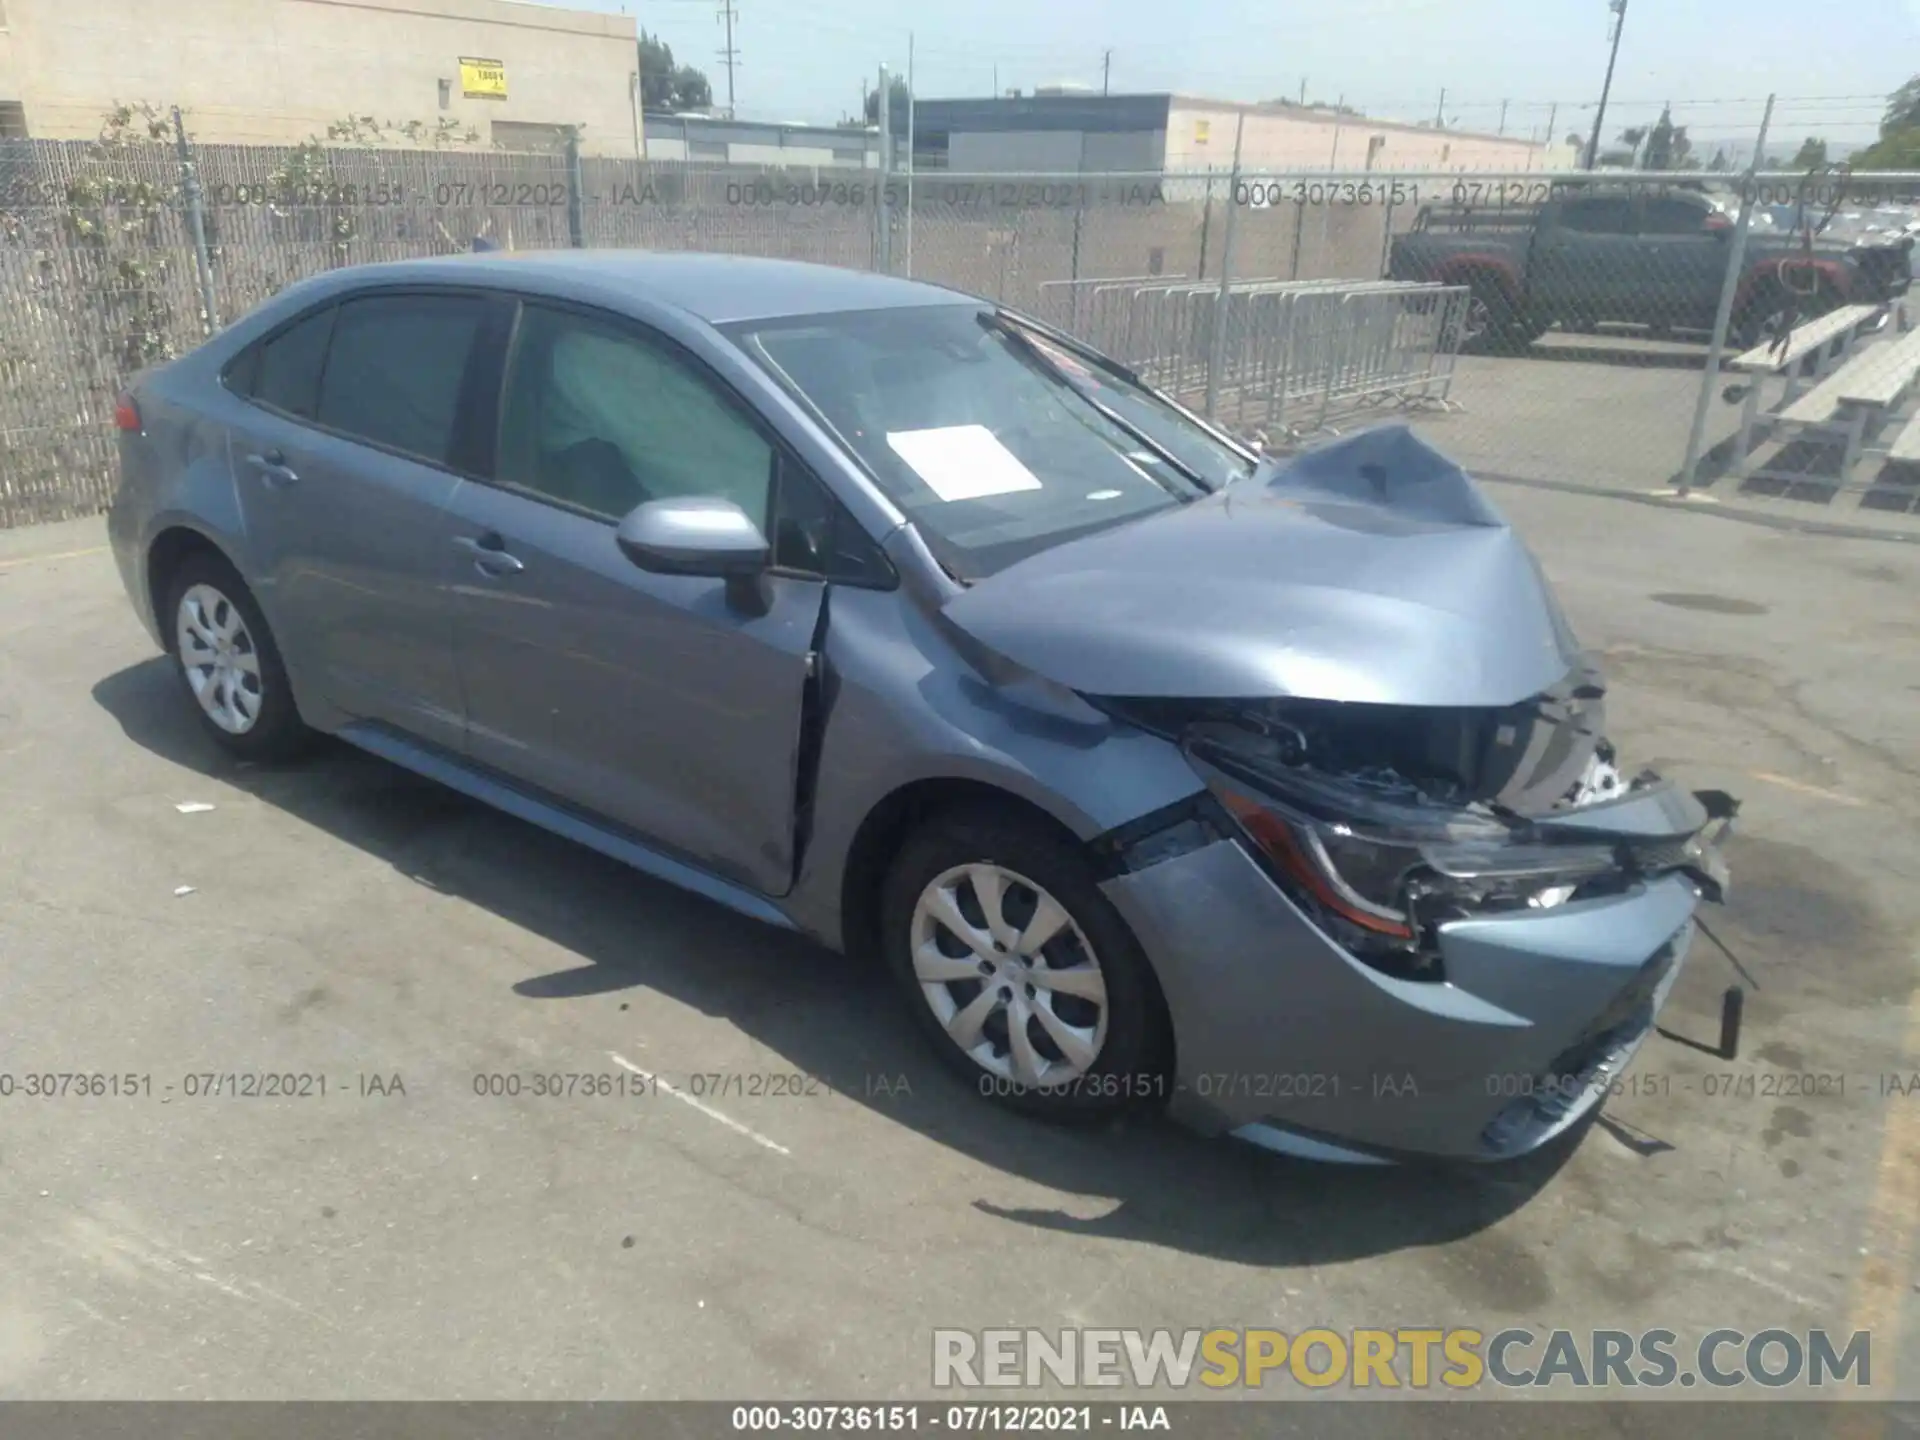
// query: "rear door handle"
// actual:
[[489, 553], [272, 468]]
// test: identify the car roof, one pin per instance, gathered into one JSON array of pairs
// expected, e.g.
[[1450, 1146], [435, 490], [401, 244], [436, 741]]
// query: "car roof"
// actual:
[[719, 289]]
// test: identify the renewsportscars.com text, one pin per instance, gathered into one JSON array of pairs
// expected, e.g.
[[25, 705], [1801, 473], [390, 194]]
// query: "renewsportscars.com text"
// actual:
[[1404, 1358]]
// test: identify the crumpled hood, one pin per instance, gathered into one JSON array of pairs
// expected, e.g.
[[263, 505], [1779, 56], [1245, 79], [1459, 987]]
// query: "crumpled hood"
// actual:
[[1371, 570]]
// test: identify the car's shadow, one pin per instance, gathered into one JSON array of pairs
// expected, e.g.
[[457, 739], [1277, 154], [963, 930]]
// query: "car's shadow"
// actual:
[[834, 1018]]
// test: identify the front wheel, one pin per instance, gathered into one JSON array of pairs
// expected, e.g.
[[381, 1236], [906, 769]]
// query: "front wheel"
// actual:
[[228, 663], [1023, 976]]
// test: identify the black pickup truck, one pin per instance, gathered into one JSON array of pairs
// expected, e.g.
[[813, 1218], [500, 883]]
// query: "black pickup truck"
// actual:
[[1640, 255]]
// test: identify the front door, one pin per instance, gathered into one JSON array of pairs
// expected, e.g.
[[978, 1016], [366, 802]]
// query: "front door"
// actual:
[[341, 452], [1687, 244], [1585, 266], [648, 699]]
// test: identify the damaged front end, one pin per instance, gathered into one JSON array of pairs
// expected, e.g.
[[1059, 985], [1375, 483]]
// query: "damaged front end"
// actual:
[[1387, 822], [1470, 918], [1417, 907]]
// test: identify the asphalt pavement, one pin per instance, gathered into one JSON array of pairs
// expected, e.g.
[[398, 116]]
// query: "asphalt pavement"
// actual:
[[796, 1196]]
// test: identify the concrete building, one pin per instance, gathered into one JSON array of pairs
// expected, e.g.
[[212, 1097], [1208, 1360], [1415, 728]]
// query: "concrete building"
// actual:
[[1064, 132], [705, 139], [281, 71]]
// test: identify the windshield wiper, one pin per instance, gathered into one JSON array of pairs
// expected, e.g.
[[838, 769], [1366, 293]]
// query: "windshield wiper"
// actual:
[[1031, 348]]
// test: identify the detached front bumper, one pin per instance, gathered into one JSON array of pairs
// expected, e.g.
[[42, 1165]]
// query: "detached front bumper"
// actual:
[[1279, 1029]]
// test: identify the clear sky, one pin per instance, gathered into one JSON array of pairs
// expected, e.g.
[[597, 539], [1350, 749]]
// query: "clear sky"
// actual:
[[1716, 60]]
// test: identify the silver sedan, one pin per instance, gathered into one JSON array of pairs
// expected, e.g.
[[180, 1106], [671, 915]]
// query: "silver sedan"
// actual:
[[1157, 772]]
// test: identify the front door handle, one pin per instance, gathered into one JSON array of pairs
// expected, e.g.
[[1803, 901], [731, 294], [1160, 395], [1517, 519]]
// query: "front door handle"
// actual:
[[489, 553], [272, 468]]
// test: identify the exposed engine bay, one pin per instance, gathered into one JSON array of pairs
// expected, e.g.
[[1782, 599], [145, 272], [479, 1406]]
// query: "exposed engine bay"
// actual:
[[1544, 753], [1386, 821]]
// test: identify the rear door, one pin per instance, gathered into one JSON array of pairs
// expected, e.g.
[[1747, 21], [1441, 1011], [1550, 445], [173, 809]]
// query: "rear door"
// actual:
[[1585, 261], [647, 699], [346, 460]]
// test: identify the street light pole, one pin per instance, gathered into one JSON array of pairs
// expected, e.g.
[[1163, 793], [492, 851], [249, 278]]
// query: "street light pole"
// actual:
[[1619, 8]]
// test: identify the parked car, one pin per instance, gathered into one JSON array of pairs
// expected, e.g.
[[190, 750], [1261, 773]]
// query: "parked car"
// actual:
[[1637, 255], [1156, 771]]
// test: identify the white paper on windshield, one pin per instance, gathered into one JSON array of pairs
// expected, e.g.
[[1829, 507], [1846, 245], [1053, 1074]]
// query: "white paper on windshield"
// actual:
[[962, 462]]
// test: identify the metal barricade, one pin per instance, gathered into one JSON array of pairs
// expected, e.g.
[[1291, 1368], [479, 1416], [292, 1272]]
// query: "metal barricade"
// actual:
[[1065, 304], [1293, 354]]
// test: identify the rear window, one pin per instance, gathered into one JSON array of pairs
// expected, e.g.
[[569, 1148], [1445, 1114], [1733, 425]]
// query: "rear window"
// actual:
[[1672, 215], [284, 372], [394, 370], [1599, 215]]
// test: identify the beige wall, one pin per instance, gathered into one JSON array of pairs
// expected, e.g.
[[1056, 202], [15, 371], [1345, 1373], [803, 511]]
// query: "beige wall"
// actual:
[[1201, 134], [281, 70]]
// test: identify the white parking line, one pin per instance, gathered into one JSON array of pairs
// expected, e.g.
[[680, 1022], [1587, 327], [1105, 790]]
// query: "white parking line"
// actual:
[[705, 1109]]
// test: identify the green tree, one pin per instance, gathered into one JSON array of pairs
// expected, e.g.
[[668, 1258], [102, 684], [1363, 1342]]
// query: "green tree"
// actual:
[[116, 222], [667, 86], [896, 90], [1667, 145], [1810, 156], [1662, 145], [1903, 108], [1898, 147], [1894, 150]]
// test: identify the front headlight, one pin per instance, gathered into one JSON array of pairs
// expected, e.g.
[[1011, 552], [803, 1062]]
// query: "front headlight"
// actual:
[[1381, 863]]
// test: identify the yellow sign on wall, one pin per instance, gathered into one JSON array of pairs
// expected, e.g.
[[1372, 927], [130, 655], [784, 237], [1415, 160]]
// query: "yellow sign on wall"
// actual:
[[1200, 128], [483, 79]]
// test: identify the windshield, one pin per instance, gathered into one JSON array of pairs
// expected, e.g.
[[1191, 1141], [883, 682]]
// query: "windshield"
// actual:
[[993, 440]]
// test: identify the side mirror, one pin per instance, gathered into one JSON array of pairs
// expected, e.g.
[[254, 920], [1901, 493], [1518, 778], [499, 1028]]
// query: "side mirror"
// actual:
[[700, 535]]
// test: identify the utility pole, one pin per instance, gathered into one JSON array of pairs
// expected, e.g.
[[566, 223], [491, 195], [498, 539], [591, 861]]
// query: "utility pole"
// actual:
[[1106, 69], [911, 165], [1440, 111], [883, 212], [1503, 117], [1619, 8], [1303, 89], [728, 55], [1553, 114], [996, 82]]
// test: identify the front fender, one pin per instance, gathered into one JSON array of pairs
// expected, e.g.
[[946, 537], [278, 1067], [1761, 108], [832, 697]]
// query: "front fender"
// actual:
[[904, 708]]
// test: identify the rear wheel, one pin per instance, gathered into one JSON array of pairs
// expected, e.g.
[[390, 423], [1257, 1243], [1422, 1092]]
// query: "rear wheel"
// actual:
[[1767, 314], [1025, 979], [228, 663]]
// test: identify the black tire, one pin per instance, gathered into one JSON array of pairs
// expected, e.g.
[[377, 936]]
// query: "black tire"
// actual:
[[1493, 326], [1132, 1067], [1758, 322], [276, 732]]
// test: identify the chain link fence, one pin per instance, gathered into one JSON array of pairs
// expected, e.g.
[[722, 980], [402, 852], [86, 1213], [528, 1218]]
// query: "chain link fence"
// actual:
[[1638, 332]]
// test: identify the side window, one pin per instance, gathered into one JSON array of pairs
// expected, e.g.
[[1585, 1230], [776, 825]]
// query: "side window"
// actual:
[[394, 370], [1670, 215], [597, 417], [1598, 215], [285, 371], [814, 534]]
